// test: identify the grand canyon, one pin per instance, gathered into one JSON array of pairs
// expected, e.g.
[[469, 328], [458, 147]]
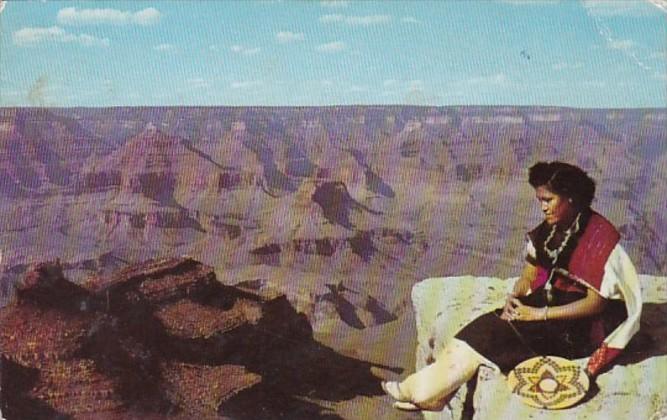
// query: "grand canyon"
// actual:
[[342, 209]]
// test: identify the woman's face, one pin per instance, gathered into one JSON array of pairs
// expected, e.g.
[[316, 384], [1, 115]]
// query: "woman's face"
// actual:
[[556, 208]]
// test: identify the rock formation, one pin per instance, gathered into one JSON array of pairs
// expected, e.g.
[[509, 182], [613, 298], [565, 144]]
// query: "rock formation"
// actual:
[[163, 339], [633, 388], [336, 203]]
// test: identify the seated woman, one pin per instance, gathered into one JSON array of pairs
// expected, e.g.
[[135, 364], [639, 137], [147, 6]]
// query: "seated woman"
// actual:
[[578, 296]]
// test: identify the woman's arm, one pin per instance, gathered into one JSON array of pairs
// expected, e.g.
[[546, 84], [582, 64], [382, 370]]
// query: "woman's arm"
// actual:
[[521, 288], [590, 305]]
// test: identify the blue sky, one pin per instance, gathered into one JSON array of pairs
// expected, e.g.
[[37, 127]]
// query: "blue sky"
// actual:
[[578, 53]]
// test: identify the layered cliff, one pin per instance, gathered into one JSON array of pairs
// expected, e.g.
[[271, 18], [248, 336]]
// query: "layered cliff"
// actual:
[[163, 339]]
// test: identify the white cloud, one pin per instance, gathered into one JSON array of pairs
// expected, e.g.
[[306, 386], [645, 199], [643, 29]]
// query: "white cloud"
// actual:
[[31, 36], [660, 55], [410, 19], [240, 49], [92, 41], [332, 47], [390, 82], [332, 18], [621, 44], [660, 76], [608, 8], [197, 83], [334, 3], [357, 89], [367, 20], [148, 16], [285, 37], [356, 20], [74, 16], [246, 84], [164, 47]]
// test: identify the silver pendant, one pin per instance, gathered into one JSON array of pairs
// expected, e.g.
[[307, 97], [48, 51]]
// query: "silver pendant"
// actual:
[[547, 287]]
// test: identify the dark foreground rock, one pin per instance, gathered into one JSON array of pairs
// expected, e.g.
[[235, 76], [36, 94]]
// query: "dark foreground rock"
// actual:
[[165, 339]]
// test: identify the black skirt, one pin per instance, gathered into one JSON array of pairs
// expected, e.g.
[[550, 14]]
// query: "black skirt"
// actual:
[[509, 343]]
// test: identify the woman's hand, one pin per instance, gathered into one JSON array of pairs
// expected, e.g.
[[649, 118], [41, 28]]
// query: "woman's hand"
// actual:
[[511, 311], [506, 315], [516, 311]]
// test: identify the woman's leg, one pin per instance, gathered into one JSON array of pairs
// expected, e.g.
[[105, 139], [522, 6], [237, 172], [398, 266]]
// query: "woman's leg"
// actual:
[[432, 387]]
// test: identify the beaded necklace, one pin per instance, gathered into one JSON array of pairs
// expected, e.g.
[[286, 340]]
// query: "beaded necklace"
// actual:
[[553, 254]]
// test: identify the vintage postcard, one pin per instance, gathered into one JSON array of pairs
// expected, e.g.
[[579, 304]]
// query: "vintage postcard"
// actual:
[[333, 209]]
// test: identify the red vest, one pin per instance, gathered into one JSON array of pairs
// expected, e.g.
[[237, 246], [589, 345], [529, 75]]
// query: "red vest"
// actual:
[[586, 266], [593, 250], [589, 257]]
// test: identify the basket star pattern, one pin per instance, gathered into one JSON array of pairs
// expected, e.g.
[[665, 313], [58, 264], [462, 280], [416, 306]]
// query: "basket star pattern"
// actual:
[[545, 383]]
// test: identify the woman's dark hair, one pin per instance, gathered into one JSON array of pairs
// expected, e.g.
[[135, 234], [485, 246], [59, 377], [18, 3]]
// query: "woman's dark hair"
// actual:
[[564, 179]]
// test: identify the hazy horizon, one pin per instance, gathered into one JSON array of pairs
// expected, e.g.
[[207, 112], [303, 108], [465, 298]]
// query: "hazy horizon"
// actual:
[[328, 106]]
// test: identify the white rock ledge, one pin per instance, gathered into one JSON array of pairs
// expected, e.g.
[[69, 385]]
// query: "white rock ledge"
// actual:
[[635, 388]]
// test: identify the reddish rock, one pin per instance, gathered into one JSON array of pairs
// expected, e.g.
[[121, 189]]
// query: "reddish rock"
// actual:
[[76, 388], [44, 284], [199, 390], [191, 320], [162, 338], [33, 336], [135, 274]]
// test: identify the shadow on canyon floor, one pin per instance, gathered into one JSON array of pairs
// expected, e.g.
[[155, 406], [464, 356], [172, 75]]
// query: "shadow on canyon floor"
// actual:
[[302, 381], [651, 340]]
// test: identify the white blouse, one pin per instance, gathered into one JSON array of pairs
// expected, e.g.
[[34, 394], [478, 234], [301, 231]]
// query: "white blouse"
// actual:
[[621, 282]]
